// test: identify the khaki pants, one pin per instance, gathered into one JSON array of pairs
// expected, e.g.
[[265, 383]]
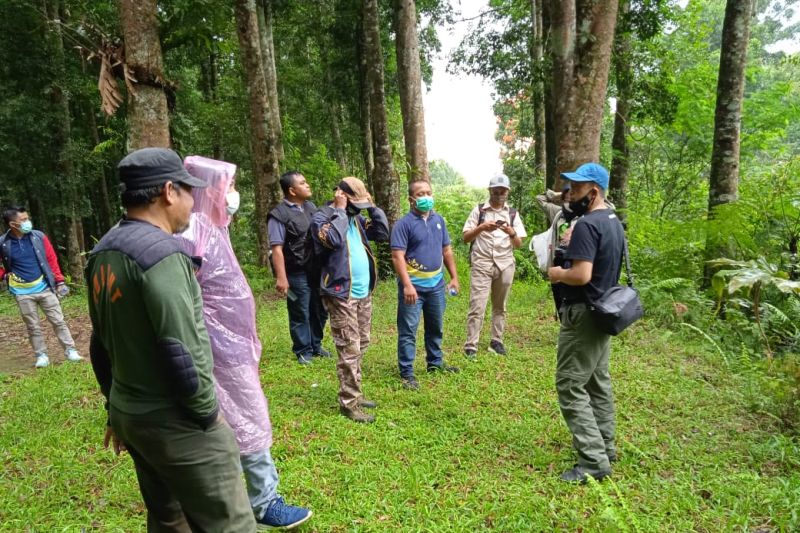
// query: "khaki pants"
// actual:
[[351, 321], [583, 383], [29, 305], [189, 477], [484, 282]]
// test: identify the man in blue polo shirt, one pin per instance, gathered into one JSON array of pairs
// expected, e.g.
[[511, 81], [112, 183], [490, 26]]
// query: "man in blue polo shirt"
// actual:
[[420, 248]]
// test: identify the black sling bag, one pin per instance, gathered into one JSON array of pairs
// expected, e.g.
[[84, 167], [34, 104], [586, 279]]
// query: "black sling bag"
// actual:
[[619, 306]]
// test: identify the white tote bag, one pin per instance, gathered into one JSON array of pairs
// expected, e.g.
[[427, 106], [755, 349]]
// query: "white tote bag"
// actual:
[[540, 245]]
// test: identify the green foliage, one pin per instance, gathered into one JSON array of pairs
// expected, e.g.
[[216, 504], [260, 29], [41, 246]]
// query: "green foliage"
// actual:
[[478, 450]]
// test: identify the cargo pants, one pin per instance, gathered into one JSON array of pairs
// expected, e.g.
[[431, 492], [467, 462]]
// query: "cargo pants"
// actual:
[[583, 383], [350, 321], [29, 305]]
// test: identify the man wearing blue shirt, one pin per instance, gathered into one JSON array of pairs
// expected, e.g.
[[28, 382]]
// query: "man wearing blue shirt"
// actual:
[[29, 262], [420, 248]]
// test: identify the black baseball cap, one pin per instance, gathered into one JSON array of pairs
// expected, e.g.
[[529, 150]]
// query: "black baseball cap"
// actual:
[[149, 167]]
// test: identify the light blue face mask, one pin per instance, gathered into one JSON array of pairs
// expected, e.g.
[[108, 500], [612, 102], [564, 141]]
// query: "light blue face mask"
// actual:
[[424, 203], [26, 227]]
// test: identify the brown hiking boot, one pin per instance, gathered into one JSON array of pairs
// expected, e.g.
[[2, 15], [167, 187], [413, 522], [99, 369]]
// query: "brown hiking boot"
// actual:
[[357, 415]]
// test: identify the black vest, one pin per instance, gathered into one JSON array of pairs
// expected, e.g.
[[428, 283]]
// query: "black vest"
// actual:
[[297, 245]]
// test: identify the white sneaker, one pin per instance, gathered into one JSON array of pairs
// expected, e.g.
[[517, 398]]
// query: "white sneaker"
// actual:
[[42, 360], [73, 355]]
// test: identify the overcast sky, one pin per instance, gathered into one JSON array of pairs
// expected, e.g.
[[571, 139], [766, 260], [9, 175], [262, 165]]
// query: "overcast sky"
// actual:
[[459, 120]]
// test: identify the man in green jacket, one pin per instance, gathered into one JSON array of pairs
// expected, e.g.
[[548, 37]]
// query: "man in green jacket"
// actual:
[[152, 358]]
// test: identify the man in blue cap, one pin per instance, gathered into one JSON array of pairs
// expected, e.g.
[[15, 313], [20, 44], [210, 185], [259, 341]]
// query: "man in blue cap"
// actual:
[[583, 382]]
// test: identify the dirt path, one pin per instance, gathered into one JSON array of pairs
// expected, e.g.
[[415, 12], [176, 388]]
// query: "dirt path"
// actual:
[[15, 350]]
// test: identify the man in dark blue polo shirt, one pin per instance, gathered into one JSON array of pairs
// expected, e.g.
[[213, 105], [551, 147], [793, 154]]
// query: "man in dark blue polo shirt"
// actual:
[[420, 248]]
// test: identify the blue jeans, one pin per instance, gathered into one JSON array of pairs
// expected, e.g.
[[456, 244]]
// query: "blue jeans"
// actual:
[[261, 478], [307, 317], [431, 303]]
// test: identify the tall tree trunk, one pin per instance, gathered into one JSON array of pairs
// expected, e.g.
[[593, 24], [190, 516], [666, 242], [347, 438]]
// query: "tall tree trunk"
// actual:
[[102, 178], [409, 78], [148, 120], [262, 142], [619, 143], [209, 80], [333, 108], [365, 112], [537, 57], [270, 74], [64, 167], [723, 182], [384, 179], [549, 99], [724, 177], [582, 32]]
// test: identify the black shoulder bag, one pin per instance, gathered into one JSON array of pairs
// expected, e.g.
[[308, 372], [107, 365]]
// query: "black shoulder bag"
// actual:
[[619, 306]]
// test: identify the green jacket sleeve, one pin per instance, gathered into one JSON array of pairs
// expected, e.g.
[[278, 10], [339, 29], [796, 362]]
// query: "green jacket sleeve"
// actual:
[[175, 309]]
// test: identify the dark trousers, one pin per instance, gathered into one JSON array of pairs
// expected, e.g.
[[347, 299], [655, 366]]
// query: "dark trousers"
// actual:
[[189, 477], [307, 317]]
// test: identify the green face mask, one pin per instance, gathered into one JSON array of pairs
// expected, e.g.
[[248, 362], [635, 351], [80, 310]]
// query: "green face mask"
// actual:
[[424, 204]]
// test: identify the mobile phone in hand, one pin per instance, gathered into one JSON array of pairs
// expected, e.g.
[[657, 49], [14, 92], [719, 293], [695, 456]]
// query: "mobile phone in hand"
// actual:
[[501, 222]]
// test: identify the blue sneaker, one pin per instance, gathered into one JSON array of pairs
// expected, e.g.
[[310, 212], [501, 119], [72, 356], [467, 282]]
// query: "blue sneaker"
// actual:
[[282, 516], [304, 359]]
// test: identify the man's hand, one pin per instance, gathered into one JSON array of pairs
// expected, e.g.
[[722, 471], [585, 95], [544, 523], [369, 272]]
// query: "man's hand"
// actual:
[[487, 226], [453, 285], [282, 285], [111, 437], [508, 230], [62, 289], [409, 295], [339, 199], [552, 274]]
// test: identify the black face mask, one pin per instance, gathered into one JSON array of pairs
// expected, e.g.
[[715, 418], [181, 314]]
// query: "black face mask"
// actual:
[[352, 210], [580, 207]]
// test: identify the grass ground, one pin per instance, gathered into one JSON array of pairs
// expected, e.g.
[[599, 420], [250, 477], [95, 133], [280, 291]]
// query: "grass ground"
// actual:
[[480, 450]]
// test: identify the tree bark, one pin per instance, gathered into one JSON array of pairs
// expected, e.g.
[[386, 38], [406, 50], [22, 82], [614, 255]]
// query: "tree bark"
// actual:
[[724, 176], [64, 168], [262, 142], [148, 120], [582, 33], [723, 181], [102, 179], [270, 74], [365, 115], [409, 78], [549, 99], [384, 178], [619, 143], [537, 57], [209, 80]]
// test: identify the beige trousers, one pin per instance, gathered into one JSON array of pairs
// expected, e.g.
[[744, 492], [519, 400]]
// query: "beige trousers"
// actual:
[[351, 321], [483, 282], [29, 305]]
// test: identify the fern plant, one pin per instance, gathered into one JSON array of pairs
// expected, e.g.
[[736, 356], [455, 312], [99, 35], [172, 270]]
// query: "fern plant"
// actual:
[[751, 278]]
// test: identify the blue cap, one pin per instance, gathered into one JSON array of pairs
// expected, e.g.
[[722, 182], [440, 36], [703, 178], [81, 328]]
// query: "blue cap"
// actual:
[[589, 172]]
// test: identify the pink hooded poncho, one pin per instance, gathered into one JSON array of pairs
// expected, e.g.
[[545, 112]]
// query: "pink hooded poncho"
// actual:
[[228, 308]]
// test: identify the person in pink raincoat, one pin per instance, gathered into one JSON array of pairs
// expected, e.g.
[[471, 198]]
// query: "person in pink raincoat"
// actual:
[[230, 317]]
